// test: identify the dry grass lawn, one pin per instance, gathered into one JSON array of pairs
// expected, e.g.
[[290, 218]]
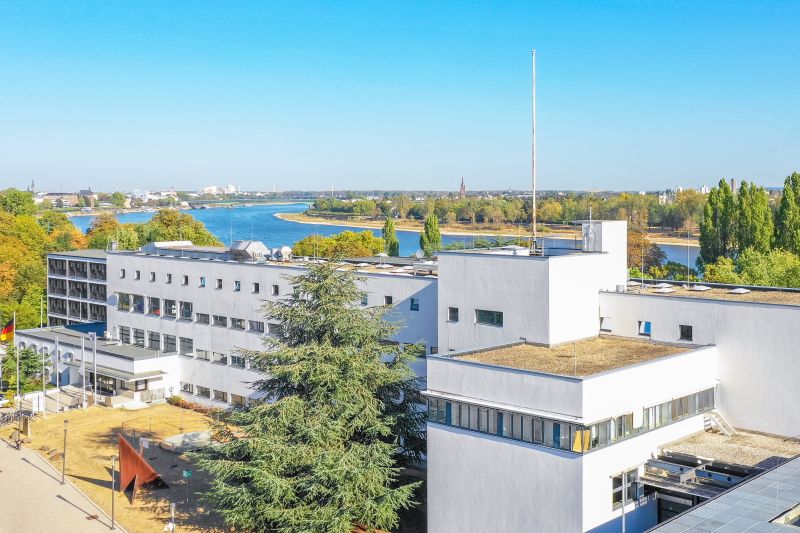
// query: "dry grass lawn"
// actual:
[[581, 358], [92, 440]]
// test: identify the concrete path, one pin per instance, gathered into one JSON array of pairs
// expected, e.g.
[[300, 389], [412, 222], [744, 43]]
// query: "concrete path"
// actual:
[[33, 498]]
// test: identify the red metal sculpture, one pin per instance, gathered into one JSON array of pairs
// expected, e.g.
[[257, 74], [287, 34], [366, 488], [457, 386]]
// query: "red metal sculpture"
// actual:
[[135, 470]]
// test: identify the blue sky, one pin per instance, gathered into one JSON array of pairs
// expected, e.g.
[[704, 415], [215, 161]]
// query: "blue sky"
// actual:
[[396, 95]]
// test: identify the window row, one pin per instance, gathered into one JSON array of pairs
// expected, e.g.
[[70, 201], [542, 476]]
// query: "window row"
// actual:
[[645, 329], [575, 438], [201, 282], [76, 269], [217, 395], [482, 316]]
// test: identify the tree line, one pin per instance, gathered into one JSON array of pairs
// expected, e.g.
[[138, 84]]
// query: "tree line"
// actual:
[[747, 238]]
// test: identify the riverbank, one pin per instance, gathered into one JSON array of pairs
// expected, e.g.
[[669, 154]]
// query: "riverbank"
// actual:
[[146, 209], [654, 236]]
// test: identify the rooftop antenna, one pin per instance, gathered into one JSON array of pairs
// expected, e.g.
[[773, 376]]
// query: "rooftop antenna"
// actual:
[[533, 151]]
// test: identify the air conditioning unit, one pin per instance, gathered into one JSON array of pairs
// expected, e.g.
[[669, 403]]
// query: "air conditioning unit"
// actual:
[[621, 288]]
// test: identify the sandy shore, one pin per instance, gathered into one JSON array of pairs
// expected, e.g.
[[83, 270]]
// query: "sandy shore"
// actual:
[[406, 225]]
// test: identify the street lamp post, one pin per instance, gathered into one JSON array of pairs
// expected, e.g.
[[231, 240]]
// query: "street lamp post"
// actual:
[[64, 455], [113, 483]]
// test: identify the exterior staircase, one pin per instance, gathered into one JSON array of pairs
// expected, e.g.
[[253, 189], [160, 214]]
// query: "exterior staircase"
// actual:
[[715, 421]]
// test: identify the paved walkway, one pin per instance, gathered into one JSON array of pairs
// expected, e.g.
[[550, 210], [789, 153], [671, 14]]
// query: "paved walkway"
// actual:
[[33, 498]]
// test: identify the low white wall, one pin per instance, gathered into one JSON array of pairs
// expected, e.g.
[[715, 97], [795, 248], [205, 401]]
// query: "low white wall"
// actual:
[[542, 392], [482, 483]]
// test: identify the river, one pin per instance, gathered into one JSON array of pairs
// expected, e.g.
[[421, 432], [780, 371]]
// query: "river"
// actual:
[[259, 222]]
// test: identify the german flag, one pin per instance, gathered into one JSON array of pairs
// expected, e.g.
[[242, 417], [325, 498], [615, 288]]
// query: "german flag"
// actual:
[[7, 332]]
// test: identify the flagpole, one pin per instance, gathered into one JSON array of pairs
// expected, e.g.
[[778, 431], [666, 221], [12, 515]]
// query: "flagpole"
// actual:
[[83, 371], [94, 363], [19, 394], [58, 389], [44, 385]]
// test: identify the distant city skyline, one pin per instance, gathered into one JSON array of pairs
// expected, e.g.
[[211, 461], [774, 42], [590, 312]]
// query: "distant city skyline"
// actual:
[[393, 96]]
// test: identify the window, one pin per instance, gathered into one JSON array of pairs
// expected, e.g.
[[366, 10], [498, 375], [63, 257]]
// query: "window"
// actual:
[[203, 355], [387, 300], [169, 308], [644, 328], [256, 288], [221, 321], [170, 345], [605, 324], [365, 299], [138, 303], [124, 302], [169, 278], [631, 481], [273, 328], [275, 290], [186, 310], [434, 350], [153, 306], [256, 326], [686, 332], [219, 283], [237, 323], [124, 335], [202, 281], [137, 275], [152, 276], [187, 346], [491, 318], [237, 400], [220, 358], [220, 396], [237, 360], [140, 385], [415, 304], [138, 337], [153, 340], [237, 286], [122, 273], [452, 314], [203, 392], [187, 387], [202, 318], [185, 280]]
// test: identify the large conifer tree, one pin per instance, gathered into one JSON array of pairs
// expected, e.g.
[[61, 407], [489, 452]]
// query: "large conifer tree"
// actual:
[[323, 451]]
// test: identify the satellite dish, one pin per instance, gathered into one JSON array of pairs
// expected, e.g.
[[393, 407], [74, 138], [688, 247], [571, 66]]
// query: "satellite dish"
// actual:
[[419, 254]]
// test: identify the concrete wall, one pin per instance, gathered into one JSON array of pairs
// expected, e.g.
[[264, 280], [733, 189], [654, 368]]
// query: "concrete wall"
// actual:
[[640, 386], [483, 483], [516, 285], [557, 396], [757, 351]]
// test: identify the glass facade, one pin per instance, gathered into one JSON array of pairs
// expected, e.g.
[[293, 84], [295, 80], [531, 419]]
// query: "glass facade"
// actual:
[[576, 438]]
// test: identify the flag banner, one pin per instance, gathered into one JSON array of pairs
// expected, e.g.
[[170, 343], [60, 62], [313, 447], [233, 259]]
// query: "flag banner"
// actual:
[[7, 332]]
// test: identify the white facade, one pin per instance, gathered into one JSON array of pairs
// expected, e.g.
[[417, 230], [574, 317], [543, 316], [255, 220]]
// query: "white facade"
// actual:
[[546, 300], [190, 285]]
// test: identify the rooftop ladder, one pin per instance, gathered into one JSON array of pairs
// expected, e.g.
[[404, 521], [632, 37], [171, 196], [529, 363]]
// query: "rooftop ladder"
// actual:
[[715, 420]]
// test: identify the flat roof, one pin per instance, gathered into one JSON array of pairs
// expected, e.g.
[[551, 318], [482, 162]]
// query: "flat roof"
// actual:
[[744, 448], [89, 253], [772, 296], [72, 338], [749, 506], [577, 359]]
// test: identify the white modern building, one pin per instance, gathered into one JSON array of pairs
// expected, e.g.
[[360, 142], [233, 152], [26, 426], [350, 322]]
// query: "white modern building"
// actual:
[[561, 392], [561, 396], [186, 311]]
